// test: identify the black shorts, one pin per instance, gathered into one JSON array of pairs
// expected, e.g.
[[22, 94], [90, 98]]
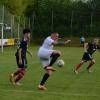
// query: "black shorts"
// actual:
[[82, 42], [87, 56], [24, 63]]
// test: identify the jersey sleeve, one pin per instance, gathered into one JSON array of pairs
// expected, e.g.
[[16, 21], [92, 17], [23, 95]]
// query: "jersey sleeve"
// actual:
[[50, 41]]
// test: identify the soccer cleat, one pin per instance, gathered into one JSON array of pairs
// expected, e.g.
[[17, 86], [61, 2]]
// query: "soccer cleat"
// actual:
[[90, 71], [18, 84], [12, 79], [42, 87], [75, 71]]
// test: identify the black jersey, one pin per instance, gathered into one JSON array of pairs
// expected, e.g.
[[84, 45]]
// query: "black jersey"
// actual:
[[23, 46], [92, 47]]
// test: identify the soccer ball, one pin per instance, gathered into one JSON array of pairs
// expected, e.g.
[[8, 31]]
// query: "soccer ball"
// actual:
[[60, 63]]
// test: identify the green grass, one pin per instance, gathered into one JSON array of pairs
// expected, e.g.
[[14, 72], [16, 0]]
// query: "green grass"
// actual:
[[62, 85]]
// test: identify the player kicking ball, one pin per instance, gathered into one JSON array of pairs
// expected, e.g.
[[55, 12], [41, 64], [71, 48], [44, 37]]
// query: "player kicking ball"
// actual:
[[48, 56], [21, 59], [89, 49]]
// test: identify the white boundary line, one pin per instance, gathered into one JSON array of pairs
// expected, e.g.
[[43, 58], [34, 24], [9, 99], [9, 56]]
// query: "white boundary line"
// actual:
[[53, 93]]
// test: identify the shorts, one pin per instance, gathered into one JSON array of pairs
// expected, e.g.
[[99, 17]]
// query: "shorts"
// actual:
[[82, 42], [87, 56], [24, 63], [45, 56]]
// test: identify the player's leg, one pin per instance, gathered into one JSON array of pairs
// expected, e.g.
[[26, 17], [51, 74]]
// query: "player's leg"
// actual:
[[49, 70], [13, 75], [48, 58], [90, 65], [79, 66], [22, 71], [86, 57], [54, 56], [44, 79], [18, 75]]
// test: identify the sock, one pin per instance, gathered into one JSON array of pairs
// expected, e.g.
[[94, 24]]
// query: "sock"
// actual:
[[90, 65], [54, 58], [78, 66], [20, 75], [17, 72], [45, 77]]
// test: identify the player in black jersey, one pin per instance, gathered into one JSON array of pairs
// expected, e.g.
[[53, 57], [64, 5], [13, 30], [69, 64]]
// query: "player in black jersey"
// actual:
[[89, 49], [21, 58]]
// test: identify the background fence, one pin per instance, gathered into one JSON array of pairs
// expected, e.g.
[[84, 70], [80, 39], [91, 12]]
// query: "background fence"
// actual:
[[12, 25], [67, 18]]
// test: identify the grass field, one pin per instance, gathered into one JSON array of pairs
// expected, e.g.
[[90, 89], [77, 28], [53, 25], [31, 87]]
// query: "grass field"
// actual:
[[62, 85]]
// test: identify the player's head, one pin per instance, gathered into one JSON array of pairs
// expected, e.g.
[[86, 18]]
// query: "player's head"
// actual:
[[26, 33], [54, 36], [96, 40]]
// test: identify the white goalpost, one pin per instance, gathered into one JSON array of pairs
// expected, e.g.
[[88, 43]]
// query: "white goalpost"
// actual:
[[2, 27], [7, 19]]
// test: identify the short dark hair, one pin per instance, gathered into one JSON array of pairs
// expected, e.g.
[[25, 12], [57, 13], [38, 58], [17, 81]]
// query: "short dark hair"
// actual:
[[26, 31]]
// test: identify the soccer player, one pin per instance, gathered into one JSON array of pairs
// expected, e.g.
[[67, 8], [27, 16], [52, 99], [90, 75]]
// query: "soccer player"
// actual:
[[89, 49], [48, 56], [82, 40], [21, 58]]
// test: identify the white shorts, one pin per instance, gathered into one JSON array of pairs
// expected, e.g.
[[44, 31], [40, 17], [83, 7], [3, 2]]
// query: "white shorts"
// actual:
[[44, 55]]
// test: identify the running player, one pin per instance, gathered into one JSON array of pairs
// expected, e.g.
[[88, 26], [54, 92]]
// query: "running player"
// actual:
[[21, 58], [89, 49], [48, 56]]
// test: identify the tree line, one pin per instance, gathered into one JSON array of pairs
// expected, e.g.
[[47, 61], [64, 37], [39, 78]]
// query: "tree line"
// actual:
[[67, 17]]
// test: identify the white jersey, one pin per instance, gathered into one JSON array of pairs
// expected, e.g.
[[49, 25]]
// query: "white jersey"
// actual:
[[45, 51], [47, 44]]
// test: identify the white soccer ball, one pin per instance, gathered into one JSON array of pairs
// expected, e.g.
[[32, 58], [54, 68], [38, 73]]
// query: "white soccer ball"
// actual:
[[60, 63]]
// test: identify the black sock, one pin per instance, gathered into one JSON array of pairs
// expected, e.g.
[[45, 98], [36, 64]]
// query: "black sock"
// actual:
[[45, 77], [54, 58]]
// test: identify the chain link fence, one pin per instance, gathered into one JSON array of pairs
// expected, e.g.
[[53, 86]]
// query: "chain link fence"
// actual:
[[12, 25]]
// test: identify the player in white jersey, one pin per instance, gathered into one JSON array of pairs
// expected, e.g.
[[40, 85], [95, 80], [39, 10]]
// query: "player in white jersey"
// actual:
[[48, 56]]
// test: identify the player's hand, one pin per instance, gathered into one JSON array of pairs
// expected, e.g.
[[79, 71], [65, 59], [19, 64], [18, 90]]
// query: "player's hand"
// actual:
[[67, 41], [20, 61]]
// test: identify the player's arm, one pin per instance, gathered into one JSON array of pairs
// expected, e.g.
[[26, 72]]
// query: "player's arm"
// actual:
[[68, 41], [29, 52], [85, 47], [61, 42], [19, 52]]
